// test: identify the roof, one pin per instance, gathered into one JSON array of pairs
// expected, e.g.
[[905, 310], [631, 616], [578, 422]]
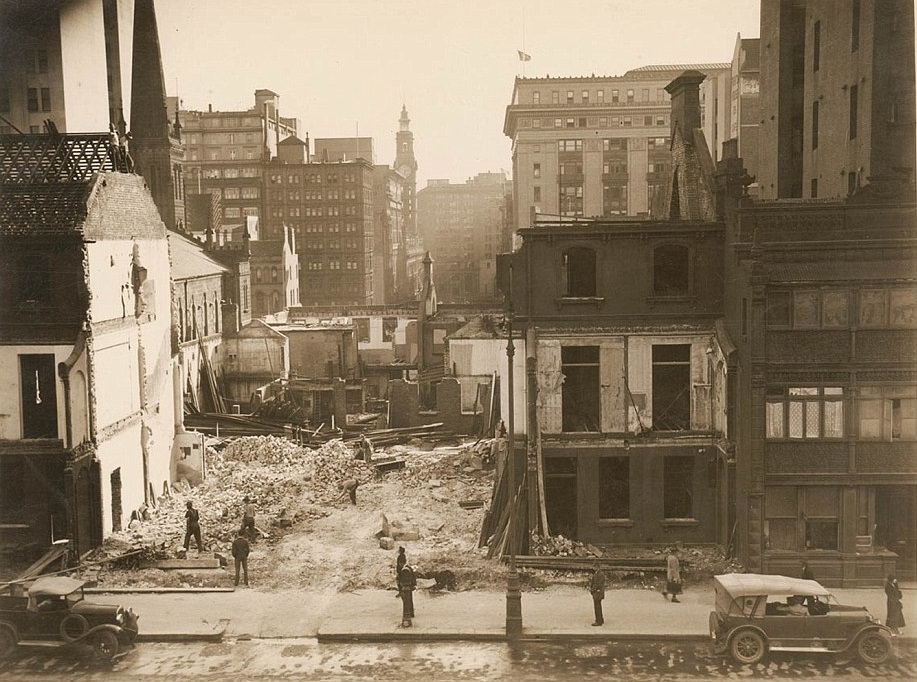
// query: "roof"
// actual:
[[750, 584], [266, 248], [55, 586], [292, 139], [256, 329], [43, 208], [480, 327], [189, 259], [711, 66]]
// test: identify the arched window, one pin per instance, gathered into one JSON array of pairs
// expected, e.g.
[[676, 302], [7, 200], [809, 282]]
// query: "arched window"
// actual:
[[273, 274], [275, 302], [671, 270], [579, 272], [257, 274]]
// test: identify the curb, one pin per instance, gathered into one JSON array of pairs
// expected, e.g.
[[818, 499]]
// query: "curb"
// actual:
[[181, 637], [156, 590], [380, 637]]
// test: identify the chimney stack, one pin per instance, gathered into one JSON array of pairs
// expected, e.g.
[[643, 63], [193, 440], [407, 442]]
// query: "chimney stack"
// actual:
[[685, 94]]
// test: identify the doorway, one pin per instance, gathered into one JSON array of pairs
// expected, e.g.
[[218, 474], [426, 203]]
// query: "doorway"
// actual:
[[560, 495], [896, 526]]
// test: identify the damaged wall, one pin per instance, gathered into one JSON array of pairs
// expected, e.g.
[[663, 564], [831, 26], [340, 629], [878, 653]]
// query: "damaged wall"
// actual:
[[404, 405]]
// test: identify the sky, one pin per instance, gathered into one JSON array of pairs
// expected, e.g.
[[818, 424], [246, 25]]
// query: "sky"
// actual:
[[346, 66]]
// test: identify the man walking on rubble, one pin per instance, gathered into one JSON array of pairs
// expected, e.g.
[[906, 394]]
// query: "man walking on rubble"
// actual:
[[240, 551], [248, 518], [192, 527]]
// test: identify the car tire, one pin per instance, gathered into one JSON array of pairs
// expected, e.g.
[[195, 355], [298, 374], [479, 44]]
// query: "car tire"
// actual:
[[874, 647], [7, 641], [747, 646], [105, 645], [73, 627]]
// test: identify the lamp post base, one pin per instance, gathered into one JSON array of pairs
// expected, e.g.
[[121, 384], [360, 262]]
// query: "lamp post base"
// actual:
[[513, 605]]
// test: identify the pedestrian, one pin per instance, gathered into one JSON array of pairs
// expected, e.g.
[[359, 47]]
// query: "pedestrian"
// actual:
[[240, 551], [366, 449], [894, 617], [672, 576], [597, 588], [407, 581], [248, 518], [399, 564], [348, 487], [806, 572], [192, 527]]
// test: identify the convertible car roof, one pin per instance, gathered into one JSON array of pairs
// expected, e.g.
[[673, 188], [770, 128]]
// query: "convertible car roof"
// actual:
[[745, 584], [55, 586]]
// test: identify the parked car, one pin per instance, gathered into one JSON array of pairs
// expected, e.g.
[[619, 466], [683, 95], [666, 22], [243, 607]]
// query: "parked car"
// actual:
[[53, 613], [756, 613]]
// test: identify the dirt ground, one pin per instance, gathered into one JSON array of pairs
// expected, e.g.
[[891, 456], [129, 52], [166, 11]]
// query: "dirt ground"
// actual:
[[315, 538]]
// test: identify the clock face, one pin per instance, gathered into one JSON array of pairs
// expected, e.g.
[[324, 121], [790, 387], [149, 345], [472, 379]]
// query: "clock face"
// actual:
[[406, 170]]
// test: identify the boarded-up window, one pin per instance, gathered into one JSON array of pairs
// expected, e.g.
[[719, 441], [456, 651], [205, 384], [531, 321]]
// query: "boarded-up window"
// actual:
[[580, 407], [780, 523], [678, 482], [672, 387], [887, 413], [614, 488]]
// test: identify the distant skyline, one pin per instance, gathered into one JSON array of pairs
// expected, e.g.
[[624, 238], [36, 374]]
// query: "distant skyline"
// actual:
[[341, 66]]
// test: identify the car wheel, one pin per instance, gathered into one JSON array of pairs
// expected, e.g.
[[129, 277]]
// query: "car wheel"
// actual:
[[747, 646], [874, 647], [7, 641], [105, 645]]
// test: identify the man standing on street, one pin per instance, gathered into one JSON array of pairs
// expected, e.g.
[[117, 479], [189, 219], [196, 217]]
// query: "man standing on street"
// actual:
[[597, 588], [192, 527], [399, 564], [407, 581], [672, 576], [240, 551]]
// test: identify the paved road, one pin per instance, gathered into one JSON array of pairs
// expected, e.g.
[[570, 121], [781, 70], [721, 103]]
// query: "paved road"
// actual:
[[306, 659]]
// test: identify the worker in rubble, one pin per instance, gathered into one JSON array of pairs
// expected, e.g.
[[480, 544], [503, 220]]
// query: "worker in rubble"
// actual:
[[597, 589], [366, 449], [192, 527], [240, 551], [349, 487], [407, 581], [248, 518]]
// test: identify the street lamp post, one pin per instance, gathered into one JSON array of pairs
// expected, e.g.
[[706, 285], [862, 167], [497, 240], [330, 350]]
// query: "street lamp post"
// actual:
[[513, 595]]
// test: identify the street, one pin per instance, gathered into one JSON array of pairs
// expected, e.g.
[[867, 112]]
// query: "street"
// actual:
[[306, 659]]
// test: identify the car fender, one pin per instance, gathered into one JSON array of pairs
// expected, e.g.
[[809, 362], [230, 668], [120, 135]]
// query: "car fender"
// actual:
[[116, 629], [746, 626], [11, 627], [866, 627]]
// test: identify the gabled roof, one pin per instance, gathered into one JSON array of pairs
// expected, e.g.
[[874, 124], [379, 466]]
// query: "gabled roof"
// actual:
[[189, 259], [256, 329], [292, 139]]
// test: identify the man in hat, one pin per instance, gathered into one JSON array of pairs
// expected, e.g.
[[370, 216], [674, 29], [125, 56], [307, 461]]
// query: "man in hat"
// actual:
[[248, 518], [407, 581], [240, 551], [672, 576], [597, 588], [192, 527]]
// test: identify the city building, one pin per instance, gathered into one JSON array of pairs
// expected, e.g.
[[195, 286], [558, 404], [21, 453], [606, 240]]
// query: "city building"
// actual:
[[274, 272], [821, 298], [329, 208], [344, 149], [598, 146], [389, 255], [406, 165], [837, 95], [625, 379], [464, 226], [252, 359], [225, 152], [85, 343], [745, 107]]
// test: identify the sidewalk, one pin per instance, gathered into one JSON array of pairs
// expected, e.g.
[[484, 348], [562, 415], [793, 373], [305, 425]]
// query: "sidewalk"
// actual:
[[375, 615]]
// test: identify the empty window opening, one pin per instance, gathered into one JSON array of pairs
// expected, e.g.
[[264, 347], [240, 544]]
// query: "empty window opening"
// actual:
[[670, 270], [672, 387], [614, 488], [580, 403], [678, 494], [560, 495], [579, 272]]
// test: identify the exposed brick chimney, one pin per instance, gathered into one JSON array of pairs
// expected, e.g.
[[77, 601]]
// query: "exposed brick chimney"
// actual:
[[685, 93]]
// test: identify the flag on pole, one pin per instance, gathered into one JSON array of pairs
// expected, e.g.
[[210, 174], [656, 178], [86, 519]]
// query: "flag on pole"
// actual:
[[523, 57]]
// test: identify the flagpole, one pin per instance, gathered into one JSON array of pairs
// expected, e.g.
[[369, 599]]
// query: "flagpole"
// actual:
[[523, 39]]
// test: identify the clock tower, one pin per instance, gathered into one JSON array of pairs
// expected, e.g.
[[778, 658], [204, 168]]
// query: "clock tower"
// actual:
[[410, 273]]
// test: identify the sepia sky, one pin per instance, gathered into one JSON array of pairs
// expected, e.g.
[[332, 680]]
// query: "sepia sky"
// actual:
[[345, 65]]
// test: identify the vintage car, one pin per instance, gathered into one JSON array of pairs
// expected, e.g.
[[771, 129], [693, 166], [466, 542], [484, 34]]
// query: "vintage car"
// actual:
[[756, 613], [53, 613]]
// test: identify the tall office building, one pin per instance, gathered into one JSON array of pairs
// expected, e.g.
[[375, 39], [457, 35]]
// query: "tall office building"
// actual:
[[837, 94], [226, 150], [599, 145], [464, 225]]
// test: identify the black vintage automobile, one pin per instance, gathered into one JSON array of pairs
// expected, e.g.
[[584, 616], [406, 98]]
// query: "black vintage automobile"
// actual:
[[53, 613]]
